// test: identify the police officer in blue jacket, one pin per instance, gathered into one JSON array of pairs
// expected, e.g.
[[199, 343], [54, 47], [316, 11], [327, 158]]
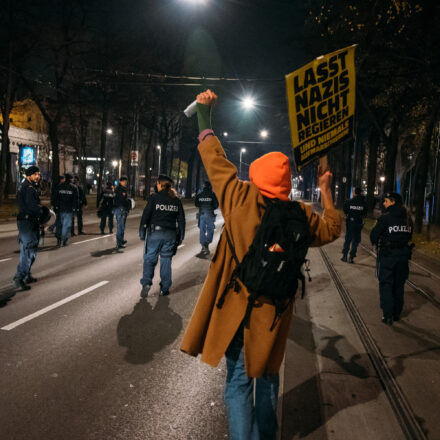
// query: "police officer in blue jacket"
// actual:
[[391, 235], [356, 210], [162, 228], [28, 223], [122, 206], [106, 200], [66, 204], [82, 201], [207, 203]]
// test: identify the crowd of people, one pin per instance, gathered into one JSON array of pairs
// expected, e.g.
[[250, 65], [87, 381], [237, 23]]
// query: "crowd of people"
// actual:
[[246, 304]]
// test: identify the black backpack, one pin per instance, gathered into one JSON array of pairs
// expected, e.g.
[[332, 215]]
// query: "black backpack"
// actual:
[[273, 264]]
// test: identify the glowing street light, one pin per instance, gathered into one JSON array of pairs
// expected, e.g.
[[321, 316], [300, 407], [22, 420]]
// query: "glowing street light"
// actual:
[[264, 134], [243, 150], [160, 154], [248, 102], [382, 180], [225, 133], [109, 131], [115, 163]]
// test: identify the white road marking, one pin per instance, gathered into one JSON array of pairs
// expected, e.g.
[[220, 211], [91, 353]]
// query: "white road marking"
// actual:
[[5, 259], [53, 306], [91, 239]]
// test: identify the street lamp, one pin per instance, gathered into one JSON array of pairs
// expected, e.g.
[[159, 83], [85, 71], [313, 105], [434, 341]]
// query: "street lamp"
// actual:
[[225, 133], [160, 154], [109, 131], [382, 180], [248, 102], [264, 134], [243, 150]]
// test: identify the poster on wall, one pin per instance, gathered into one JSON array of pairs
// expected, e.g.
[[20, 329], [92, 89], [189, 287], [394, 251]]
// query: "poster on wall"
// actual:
[[27, 156]]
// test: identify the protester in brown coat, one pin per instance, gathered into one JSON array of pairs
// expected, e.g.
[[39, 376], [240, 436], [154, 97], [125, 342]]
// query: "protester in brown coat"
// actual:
[[211, 329]]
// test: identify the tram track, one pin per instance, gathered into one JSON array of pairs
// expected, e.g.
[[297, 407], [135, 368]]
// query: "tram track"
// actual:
[[402, 409]]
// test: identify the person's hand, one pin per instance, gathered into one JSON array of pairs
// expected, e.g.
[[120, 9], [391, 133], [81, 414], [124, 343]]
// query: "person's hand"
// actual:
[[207, 98], [324, 179]]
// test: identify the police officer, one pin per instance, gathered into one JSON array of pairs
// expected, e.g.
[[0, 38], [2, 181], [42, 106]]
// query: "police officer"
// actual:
[[207, 203], [30, 210], [163, 229], [356, 210], [57, 224], [122, 206], [391, 234], [106, 198], [65, 203], [82, 201]]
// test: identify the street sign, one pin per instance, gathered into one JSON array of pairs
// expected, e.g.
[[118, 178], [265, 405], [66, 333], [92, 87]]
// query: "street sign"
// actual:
[[134, 158]]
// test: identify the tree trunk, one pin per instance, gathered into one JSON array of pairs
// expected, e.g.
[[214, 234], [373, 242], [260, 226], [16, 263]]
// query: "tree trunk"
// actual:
[[54, 142], [5, 165], [82, 152], [422, 166], [188, 191], [147, 166], [178, 173], [391, 156], [104, 122], [372, 170]]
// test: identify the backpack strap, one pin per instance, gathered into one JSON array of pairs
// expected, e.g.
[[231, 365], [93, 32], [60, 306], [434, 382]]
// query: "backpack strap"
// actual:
[[231, 247], [233, 281]]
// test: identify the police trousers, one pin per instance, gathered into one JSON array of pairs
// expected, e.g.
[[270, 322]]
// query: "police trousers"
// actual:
[[393, 272], [28, 235], [352, 236]]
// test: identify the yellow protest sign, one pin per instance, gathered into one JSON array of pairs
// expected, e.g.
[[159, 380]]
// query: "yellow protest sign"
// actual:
[[321, 99]]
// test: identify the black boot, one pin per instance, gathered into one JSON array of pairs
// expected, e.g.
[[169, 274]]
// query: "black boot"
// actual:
[[30, 279], [20, 284], [351, 261], [387, 320], [344, 258]]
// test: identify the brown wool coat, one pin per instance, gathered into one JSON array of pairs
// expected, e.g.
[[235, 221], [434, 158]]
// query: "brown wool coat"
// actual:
[[211, 329]]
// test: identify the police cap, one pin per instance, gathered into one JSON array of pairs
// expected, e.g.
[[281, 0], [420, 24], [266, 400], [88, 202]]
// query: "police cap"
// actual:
[[32, 170], [165, 178], [394, 197]]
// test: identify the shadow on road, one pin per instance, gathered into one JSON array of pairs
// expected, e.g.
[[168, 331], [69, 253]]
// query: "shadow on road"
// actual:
[[105, 252], [148, 330], [6, 295], [303, 406]]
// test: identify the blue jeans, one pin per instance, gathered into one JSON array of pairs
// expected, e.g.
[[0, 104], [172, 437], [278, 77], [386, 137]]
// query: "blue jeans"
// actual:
[[159, 243], [66, 225], [353, 237], [206, 226], [249, 420], [28, 238], [121, 218]]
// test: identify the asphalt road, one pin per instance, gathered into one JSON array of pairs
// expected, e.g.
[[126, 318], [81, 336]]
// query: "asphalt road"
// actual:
[[82, 357]]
